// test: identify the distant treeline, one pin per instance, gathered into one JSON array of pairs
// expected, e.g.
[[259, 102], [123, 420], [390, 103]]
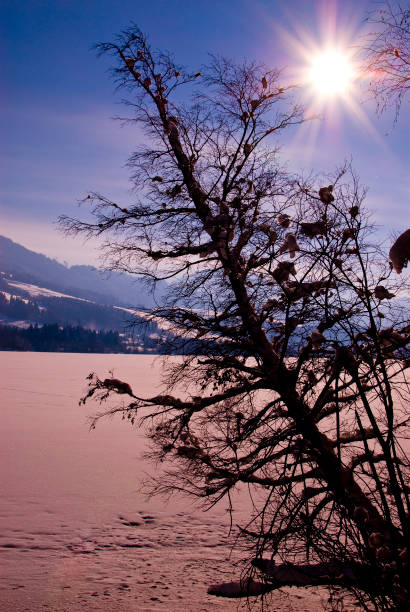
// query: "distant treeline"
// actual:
[[53, 338], [67, 324]]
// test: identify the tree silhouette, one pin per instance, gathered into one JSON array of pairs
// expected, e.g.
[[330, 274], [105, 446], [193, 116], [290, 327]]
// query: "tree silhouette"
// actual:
[[299, 388], [385, 55]]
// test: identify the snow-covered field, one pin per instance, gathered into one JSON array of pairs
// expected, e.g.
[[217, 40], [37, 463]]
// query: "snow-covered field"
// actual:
[[75, 531], [36, 291]]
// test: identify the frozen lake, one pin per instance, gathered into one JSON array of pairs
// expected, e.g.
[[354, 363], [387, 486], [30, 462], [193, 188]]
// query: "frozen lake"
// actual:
[[75, 531]]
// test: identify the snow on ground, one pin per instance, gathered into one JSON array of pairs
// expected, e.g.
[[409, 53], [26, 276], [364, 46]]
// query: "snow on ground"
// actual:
[[8, 296], [35, 291], [166, 325], [163, 325], [21, 324], [76, 533]]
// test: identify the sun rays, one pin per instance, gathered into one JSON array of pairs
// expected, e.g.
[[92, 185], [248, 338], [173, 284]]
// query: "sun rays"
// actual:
[[322, 63]]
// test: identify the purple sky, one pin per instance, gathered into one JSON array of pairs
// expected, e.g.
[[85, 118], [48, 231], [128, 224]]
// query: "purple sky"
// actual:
[[58, 139]]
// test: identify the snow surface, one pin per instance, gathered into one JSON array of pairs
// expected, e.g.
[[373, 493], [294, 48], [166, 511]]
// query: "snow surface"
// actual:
[[75, 531], [22, 324], [8, 296], [35, 291], [167, 326]]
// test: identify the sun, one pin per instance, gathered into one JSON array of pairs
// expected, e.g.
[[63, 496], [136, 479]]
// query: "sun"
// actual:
[[331, 73], [322, 64]]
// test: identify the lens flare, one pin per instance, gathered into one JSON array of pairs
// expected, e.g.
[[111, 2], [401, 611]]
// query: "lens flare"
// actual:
[[324, 67]]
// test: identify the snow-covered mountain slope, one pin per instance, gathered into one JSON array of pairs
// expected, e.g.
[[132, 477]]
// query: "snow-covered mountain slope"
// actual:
[[83, 281]]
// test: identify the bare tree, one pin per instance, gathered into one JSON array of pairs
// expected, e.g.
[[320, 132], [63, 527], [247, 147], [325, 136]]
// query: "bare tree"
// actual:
[[293, 381], [385, 55]]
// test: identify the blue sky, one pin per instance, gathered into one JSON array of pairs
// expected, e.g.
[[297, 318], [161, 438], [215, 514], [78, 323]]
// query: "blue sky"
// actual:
[[59, 141]]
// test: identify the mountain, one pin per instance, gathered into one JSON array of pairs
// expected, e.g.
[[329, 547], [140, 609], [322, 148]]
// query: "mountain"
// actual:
[[47, 306], [83, 281]]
